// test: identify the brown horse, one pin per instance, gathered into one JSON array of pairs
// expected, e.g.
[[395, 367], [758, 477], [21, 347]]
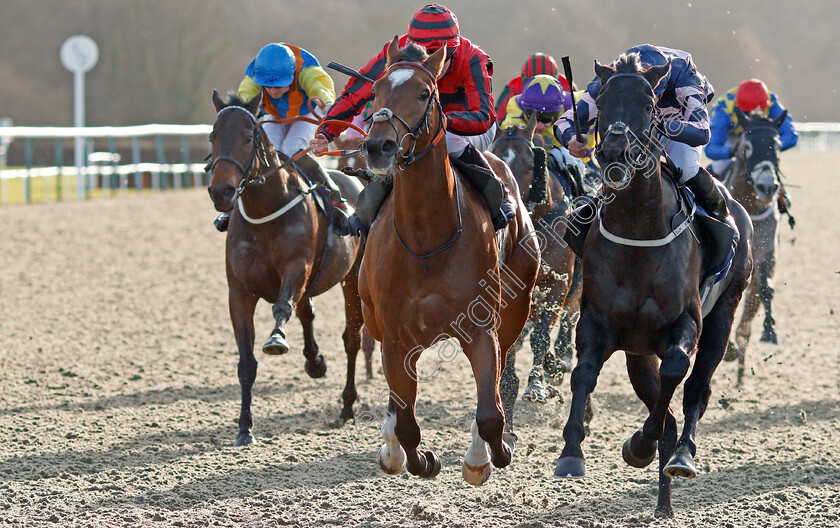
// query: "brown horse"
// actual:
[[434, 268], [279, 248], [552, 303], [642, 271], [754, 182]]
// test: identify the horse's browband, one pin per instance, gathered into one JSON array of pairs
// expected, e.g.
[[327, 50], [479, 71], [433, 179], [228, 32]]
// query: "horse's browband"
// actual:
[[414, 65], [253, 118], [637, 75]]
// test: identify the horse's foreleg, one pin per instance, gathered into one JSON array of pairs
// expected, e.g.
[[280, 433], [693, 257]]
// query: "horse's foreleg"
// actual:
[[484, 356], [352, 337], [592, 347], [644, 376], [563, 348], [697, 390], [672, 370], [400, 372], [765, 271], [509, 385], [242, 304], [290, 293], [540, 342], [368, 346], [315, 365], [744, 330]]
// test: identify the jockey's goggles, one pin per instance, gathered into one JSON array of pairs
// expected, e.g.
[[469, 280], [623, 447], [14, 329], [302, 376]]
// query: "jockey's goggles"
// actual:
[[547, 118]]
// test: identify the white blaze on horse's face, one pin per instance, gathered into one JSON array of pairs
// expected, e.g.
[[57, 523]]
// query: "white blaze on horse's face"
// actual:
[[509, 156], [400, 76]]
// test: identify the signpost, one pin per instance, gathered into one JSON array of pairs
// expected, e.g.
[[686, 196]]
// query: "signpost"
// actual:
[[79, 54]]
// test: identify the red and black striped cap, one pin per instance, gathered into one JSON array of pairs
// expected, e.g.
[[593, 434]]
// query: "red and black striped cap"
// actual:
[[539, 64], [434, 26]]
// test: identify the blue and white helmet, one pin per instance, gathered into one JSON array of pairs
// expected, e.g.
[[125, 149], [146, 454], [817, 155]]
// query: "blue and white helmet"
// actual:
[[274, 66]]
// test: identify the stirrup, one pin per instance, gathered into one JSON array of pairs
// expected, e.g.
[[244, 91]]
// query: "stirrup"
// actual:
[[507, 212]]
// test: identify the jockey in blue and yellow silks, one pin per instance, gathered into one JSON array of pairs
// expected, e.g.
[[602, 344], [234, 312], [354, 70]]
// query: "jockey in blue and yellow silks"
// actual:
[[290, 81], [750, 96], [544, 98]]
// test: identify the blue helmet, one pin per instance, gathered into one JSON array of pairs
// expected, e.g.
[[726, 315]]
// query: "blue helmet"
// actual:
[[274, 66]]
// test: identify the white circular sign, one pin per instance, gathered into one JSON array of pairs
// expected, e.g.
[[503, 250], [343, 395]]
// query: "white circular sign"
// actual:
[[79, 53]]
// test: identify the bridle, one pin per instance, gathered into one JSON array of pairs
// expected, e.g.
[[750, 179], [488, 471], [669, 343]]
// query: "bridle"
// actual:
[[259, 155], [406, 153], [742, 159]]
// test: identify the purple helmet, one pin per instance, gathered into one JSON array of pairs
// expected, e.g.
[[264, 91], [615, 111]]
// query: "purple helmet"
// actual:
[[542, 93]]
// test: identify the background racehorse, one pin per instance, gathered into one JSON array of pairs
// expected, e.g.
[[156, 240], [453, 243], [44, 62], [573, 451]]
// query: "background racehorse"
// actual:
[[279, 248], [553, 299], [434, 268], [641, 280], [754, 182]]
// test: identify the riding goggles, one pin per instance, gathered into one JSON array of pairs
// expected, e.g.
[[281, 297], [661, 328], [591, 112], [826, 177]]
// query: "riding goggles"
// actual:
[[547, 118]]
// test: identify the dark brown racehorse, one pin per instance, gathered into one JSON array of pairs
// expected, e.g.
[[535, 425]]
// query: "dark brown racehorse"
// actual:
[[279, 248], [641, 278], [434, 270], [754, 182], [552, 303]]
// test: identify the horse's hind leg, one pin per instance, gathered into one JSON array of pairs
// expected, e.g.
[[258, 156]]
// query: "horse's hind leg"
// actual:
[[403, 387], [644, 376], [540, 342], [242, 306], [368, 346], [765, 270], [592, 347], [509, 385], [315, 364]]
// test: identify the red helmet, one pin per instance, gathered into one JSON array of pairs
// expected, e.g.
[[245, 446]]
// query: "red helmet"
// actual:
[[752, 94], [434, 26], [539, 64]]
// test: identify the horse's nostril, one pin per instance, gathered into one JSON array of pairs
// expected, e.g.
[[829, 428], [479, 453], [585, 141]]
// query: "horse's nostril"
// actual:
[[389, 147]]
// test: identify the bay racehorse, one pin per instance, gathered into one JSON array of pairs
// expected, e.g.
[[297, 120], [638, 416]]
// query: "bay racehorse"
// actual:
[[434, 268], [279, 248], [642, 271], [555, 300], [754, 182]]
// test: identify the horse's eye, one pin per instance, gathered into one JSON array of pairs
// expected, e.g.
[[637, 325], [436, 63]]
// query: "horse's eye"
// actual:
[[649, 108], [424, 95]]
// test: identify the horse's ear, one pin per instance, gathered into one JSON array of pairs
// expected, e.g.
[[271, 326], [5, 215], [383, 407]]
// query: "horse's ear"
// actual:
[[654, 74], [743, 120], [435, 63], [254, 104], [217, 101], [779, 121], [603, 72], [531, 126], [393, 51]]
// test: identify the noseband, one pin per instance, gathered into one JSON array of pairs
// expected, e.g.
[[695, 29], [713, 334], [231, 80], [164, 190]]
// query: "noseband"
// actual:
[[259, 152], [386, 114]]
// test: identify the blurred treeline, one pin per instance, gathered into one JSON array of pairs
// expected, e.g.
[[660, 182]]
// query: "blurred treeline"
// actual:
[[160, 59]]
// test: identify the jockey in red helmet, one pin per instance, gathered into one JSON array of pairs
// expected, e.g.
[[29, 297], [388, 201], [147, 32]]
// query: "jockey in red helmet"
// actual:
[[466, 99], [536, 64]]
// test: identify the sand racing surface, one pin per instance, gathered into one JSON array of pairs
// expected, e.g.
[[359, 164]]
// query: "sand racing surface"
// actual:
[[119, 396]]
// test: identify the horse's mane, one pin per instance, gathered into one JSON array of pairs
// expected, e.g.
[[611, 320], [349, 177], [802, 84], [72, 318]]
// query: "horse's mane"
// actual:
[[628, 63]]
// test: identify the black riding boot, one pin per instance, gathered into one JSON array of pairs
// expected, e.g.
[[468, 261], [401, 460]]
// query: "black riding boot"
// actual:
[[708, 195], [475, 168], [367, 206], [342, 208]]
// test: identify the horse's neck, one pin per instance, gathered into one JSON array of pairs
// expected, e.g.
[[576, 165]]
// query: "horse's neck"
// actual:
[[266, 198], [425, 205], [642, 210]]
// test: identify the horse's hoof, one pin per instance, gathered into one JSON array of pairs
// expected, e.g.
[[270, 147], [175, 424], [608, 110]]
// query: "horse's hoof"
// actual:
[[476, 475], [390, 463], [244, 439], [432, 465], [769, 336], [346, 414], [664, 512], [731, 353], [637, 459], [276, 345], [570, 468], [317, 367], [535, 392], [680, 465]]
